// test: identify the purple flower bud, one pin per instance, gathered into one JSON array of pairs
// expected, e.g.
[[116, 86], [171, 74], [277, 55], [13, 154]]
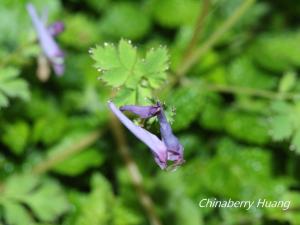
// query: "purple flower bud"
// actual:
[[168, 149], [142, 111], [48, 44], [56, 28]]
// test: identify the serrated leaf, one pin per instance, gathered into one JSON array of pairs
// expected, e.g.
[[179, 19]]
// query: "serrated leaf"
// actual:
[[154, 66], [47, 210], [13, 189], [113, 63], [127, 54], [121, 68], [16, 214], [284, 123], [11, 86], [96, 207], [281, 127], [43, 196]]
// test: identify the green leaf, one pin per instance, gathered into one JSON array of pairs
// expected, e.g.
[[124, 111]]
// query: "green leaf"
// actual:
[[225, 174], [242, 72], [55, 205], [80, 162], [75, 36], [135, 78], [248, 127], [212, 109], [288, 81], [44, 197], [284, 123], [154, 66], [16, 136], [49, 128], [16, 214], [174, 13], [97, 206], [125, 96], [11, 86], [125, 19], [281, 127], [187, 102], [278, 51]]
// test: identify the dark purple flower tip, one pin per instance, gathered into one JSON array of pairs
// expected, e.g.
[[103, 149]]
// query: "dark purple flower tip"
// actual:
[[167, 149], [142, 111], [56, 28]]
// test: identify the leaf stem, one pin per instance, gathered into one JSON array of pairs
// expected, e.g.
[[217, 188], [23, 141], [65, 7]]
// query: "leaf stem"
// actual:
[[15, 54], [133, 170], [199, 27], [245, 91], [191, 59], [77, 147]]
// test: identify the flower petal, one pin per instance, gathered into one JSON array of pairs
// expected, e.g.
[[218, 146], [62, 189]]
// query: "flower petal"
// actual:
[[142, 111], [49, 46], [174, 148], [157, 146]]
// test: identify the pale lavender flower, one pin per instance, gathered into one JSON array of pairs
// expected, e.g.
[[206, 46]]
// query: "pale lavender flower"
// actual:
[[50, 48], [167, 149]]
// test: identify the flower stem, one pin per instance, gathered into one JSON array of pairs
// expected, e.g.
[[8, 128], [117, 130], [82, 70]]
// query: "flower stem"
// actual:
[[192, 58], [55, 159], [272, 95], [16, 54], [199, 27], [133, 170]]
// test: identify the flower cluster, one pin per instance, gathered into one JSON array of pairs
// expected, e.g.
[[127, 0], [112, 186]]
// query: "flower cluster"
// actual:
[[167, 149]]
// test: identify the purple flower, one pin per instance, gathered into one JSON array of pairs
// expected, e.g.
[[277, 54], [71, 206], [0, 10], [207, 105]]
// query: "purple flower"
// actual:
[[45, 36], [142, 111], [167, 149], [56, 28]]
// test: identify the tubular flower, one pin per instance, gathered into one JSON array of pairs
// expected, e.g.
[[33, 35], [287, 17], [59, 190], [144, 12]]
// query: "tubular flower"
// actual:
[[163, 150], [45, 36]]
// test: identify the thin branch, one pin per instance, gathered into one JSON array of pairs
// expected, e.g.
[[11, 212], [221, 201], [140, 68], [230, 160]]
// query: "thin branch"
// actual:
[[15, 54], [55, 159], [252, 92], [212, 40], [272, 95], [199, 27], [133, 170]]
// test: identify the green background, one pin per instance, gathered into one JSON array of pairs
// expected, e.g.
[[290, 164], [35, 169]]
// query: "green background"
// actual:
[[237, 115]]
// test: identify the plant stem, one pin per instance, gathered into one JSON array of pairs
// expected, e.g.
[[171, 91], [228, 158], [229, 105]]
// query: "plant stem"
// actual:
[[15, 54], [53, 160], [248, 91], [133, 170], [199, 27], [189, 61]]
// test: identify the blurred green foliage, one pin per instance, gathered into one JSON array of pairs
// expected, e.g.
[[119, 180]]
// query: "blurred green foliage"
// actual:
[[235, 112]]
